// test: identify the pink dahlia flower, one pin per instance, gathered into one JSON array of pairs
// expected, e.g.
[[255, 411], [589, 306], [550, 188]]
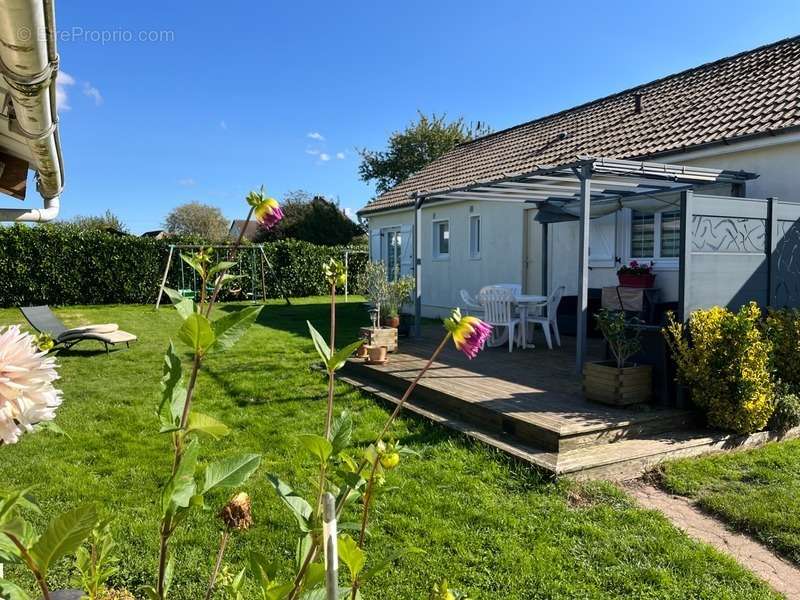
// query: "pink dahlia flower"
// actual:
[[27, 395], [469, 333], [268, 213]]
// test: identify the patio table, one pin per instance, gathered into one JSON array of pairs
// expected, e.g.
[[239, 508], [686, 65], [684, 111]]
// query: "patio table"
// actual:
[[524, 301]]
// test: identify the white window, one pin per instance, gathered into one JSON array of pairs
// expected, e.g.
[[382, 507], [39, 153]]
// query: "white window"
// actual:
[[475, 236], [394, 244], [441, 239], [654, 235]]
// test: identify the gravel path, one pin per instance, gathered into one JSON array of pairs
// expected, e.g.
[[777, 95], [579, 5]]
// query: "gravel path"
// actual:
[[780, 574]]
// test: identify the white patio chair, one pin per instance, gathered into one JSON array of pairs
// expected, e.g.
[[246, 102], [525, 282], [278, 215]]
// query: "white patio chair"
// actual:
[[498, 311], [470, 304], [547, 319], [516, 288]]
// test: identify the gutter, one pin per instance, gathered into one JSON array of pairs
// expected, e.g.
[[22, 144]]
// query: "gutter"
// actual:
[[29, 66]]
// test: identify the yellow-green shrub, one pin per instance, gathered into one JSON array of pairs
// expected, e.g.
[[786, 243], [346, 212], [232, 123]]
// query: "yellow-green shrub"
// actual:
[[783, 330], [724, 359]]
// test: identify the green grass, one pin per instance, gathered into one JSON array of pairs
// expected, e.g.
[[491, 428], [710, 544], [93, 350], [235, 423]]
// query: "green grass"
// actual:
[[757, 491], [494, 528]]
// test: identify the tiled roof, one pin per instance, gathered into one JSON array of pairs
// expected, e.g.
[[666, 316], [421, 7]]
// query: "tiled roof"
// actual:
[[750, 94]]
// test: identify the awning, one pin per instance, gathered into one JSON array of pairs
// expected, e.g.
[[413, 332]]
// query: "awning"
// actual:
[[615, 184]]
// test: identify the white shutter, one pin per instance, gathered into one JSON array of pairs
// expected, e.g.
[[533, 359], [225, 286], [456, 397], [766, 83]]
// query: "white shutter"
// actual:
[[602, 241], [375, 245], [406, 251]]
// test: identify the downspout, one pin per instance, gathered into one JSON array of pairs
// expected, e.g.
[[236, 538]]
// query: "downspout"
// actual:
[[29, 65]]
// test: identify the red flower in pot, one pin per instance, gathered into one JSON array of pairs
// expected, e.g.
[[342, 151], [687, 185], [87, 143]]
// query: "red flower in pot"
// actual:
[[636, 274]]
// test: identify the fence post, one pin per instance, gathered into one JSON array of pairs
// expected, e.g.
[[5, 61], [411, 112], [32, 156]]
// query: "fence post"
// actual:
[[329, 546]]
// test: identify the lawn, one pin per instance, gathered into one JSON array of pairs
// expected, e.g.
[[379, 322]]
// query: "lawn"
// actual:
[[494, 528], [757, 491]]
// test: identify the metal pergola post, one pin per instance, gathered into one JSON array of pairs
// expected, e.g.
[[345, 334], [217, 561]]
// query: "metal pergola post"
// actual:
[[418, 267], [584, 222], [685, 254]]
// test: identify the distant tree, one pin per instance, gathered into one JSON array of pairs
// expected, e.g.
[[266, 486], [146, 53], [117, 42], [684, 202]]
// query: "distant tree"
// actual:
[[197, 219], [422, 141], [106, 221], [313, 219]]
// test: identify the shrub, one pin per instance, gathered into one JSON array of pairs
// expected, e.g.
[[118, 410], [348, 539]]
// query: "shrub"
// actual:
[[783, 330], [65, 264], [786, 414], [723, 357]]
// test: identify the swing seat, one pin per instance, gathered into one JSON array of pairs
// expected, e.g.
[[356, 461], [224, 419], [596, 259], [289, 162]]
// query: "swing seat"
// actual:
[[187, 293]]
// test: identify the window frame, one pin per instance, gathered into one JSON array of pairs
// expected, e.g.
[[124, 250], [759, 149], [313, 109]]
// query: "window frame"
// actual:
[[436, 253], [668, 263], [470, 217], [386, 249]]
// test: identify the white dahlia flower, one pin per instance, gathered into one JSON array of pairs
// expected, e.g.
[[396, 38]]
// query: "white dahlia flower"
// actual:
[[27, 395]]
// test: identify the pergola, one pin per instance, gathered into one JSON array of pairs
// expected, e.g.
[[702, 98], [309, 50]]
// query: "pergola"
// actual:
[[589, 187]]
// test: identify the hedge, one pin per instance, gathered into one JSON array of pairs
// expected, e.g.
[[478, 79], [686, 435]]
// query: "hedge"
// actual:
[[64, 265]]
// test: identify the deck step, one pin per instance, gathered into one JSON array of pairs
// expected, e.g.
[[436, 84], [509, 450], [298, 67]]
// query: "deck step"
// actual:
[[624, 459], [507, 419]]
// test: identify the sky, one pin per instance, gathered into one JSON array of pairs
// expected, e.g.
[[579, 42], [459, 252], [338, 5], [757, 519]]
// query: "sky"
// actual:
[[168, 102]]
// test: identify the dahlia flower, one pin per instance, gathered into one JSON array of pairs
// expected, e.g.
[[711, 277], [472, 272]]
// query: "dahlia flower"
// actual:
[[469, 333], [266, 210], [27, 395]]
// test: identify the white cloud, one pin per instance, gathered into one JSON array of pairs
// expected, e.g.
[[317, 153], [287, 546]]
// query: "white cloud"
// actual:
[[316, 135], [63, 81], [340, 155], [92, 92], [312, 151], [223, 125], [187, 182], [324, 157]]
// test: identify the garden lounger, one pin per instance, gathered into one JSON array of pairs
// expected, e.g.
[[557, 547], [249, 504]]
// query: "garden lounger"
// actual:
[[43, 320]]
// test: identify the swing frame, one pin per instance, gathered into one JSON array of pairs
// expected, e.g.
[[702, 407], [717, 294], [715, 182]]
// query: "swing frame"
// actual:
[[256, 249]]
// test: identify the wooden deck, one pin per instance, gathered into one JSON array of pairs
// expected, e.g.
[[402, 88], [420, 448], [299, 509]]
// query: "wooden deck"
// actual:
[[529, 403]]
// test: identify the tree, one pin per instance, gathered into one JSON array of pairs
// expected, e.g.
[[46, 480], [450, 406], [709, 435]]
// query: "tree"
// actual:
[[422, 141], [107, 221], [197, 219], [313, 219]]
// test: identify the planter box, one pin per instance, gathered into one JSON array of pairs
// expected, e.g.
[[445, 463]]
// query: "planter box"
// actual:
[[604, 382], [636, 281], [385, 336]]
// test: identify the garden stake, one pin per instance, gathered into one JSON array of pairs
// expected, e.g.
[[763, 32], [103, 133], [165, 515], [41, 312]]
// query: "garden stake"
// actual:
[[330, 548]]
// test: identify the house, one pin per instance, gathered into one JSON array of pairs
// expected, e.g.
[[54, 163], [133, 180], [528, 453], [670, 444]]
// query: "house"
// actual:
[[250, 229], [157, 234], [507, 207], [29, 137]]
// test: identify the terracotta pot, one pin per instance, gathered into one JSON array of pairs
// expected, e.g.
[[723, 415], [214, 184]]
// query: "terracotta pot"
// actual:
[[377, 354], [362, 351], [393, 322], [636, 281]]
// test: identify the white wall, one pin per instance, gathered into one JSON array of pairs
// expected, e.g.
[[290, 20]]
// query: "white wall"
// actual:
[[503, 231]]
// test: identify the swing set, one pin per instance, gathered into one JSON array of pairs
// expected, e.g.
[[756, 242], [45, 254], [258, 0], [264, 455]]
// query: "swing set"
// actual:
[[252, 266]]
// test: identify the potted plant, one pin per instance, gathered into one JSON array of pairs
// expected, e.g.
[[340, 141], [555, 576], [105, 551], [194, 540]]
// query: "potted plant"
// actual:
[[636, 274], [381, 299], [618, 382], [399, 291]]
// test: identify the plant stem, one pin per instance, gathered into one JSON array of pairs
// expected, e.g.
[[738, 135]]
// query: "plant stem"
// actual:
[[40, 581], [162, 557], [222, 543], [367, 500], [331, 373], [221, 274]]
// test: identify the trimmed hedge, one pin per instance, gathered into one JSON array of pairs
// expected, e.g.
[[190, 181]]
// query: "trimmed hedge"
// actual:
[[64, 265]]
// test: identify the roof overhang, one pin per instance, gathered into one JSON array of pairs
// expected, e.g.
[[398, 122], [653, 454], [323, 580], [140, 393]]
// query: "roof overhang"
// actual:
[[613, 183]]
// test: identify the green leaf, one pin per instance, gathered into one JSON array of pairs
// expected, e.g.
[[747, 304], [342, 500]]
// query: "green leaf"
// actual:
[[320, 344], [231, 472], [190, 260], [341, 432], [230, 328], [173, 394], [16, 498], [63, 536], [339, 359], [184, 306], [222, 265], [201, 423], [11, 591], [317, 445], [9, 553], [351, 555], [180, 488], [299, 507], [197, 333]]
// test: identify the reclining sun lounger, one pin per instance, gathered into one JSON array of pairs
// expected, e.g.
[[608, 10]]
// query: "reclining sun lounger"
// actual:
[[43, 320]]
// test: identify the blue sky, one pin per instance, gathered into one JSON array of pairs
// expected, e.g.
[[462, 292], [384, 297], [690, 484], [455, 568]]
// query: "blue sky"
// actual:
[[238, 94]]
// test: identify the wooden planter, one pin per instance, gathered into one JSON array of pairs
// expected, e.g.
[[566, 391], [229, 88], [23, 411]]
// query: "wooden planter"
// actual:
[[385, 336], [636, 281], [605, 382]]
